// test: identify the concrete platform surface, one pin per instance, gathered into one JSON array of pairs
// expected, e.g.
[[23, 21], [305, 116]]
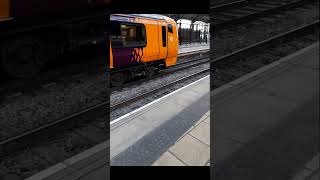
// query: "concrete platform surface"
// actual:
[[194, 45], [192, 48], [90, 164], [266, 124], [174, 130], [310, 171], [191, 149]]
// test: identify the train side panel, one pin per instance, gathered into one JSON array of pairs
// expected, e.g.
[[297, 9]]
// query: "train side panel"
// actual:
[[151, 51], [4, 9]]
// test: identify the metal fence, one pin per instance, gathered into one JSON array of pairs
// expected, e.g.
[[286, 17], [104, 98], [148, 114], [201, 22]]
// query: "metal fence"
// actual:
[[193, 33]]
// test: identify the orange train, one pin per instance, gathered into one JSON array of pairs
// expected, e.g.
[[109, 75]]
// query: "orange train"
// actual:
[[141, 44]]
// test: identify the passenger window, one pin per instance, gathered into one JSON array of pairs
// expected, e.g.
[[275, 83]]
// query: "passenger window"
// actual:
[[164, 36], [170, 28], [130, 35]]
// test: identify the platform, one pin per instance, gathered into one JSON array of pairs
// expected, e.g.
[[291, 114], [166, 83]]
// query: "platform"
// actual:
[[187, 48], [266, 124], [158, 133], [148, 136], [90, 164]]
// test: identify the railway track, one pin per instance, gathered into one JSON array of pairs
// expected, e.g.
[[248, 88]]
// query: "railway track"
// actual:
[[68, 122], [228, 5], [154, 91], [28, 159], [86, 119], [238, 63], [178, 67], [242, 11], [233, 38], [82, 64], [27, 87]]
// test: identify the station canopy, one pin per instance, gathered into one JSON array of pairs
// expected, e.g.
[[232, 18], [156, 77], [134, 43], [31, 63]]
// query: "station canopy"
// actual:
[[192, 17]]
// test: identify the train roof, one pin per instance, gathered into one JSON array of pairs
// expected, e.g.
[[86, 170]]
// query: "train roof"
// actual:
[[148, 16]]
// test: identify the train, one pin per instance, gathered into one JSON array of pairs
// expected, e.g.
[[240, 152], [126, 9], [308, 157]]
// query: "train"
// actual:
[[33, 32], [141, 44]]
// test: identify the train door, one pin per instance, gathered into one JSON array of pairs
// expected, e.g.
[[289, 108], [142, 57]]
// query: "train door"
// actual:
[[172, 38], [163, 44]]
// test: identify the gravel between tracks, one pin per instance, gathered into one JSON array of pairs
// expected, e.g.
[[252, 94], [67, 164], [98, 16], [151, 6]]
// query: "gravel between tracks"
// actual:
[[56, 149], [237, 37], [69, 143], [26, 112], [220, 2], [255, 61], [128, 93]]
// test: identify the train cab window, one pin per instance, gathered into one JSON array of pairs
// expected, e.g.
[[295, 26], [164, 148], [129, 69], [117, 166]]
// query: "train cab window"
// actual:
[[133, 35], [170, 28], [164, 36], [128, 35]]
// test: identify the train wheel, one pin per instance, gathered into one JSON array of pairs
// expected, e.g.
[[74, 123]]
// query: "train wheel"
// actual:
[[22, 57], [117, 79]]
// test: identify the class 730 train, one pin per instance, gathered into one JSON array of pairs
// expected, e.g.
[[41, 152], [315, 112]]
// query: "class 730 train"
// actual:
[[141, 44]]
